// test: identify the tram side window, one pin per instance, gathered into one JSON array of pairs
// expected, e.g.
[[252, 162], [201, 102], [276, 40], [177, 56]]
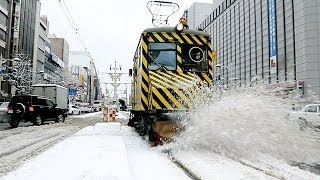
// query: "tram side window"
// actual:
[[194, 58], [162, 55]]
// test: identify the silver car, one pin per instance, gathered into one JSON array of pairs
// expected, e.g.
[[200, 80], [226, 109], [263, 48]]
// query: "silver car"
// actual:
[[309, 115], [3, 112]]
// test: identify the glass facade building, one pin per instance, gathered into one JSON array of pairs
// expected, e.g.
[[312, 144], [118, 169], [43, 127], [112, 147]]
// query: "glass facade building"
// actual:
[[27, 26], [276, 40]]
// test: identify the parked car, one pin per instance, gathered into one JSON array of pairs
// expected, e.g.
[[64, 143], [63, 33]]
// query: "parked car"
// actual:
[[309, 115], [74, 110], [97, 106], [129, 108], [4, 112], [35, 109], [85, 107]]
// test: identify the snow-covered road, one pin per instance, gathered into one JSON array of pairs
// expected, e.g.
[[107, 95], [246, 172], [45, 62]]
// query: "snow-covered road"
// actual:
[[116, 151], [27, 141]]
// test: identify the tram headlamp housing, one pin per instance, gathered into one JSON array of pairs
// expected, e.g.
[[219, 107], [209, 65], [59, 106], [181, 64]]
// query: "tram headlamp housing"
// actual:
[[179, 27]]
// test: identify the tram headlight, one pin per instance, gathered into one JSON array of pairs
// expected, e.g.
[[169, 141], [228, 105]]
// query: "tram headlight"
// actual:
[[179, 27]]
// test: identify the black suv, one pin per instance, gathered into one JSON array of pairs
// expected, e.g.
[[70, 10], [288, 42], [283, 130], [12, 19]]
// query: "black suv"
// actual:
[[33, 108]]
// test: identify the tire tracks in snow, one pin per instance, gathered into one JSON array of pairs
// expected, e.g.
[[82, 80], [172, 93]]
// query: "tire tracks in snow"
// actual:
[[11, 160]]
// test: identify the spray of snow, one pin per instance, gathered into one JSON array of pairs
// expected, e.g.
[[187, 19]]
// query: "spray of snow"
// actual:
[[246, 124]]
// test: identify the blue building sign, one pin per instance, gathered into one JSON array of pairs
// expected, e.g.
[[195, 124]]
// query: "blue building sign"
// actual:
[[72, 91], [272, 36]]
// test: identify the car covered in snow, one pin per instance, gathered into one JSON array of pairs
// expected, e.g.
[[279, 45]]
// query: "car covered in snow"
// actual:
[[309, 115], [73, 109]]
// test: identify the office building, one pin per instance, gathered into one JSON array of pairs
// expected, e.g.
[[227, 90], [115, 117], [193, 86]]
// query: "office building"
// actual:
[[277, 40], [196, 13]]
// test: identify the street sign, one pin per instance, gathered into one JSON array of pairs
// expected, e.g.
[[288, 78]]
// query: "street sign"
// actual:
[[72, 91]]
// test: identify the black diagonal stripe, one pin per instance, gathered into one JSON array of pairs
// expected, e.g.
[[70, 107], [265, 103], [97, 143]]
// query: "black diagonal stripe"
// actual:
[[209, 57], [154, 38], [162, 106], [145, 81], [162, 36], [201, 77], [203, 42], [179, 55], [145, 55], [182, 38], [144, 68], [189, 36], [144, 51], [179, 64], [164, 95]]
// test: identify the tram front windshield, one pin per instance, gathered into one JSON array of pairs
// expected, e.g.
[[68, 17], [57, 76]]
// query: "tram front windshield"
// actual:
[[162, 55]]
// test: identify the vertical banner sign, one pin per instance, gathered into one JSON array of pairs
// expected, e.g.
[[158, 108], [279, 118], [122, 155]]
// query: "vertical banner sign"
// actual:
[[272, 37], [16, 26]]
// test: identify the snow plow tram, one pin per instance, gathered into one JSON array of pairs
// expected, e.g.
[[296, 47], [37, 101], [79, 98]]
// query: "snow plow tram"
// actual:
[[168, 64]]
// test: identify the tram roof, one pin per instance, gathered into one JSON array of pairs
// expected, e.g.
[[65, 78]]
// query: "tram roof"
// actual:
[[172, 29]]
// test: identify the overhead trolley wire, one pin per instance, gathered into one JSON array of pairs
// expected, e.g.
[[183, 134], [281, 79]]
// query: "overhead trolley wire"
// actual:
[[68, 15]]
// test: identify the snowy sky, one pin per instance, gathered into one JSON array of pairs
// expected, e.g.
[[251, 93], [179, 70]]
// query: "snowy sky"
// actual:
[[110, 29]]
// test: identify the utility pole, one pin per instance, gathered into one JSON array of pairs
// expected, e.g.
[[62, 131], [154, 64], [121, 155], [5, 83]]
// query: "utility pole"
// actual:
[[115, 77]]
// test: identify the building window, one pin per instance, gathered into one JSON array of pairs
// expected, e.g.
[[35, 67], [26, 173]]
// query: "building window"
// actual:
[[4, 4], [2, 35], [3, 19]]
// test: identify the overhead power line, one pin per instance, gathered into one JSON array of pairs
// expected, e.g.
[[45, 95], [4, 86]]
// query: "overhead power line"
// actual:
[[68, 15]]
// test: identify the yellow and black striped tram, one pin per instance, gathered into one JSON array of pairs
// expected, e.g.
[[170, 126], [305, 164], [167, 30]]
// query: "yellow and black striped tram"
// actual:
[[168, 64]]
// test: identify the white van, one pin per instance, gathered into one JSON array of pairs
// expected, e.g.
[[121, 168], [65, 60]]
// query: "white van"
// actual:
[[97, 105]]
